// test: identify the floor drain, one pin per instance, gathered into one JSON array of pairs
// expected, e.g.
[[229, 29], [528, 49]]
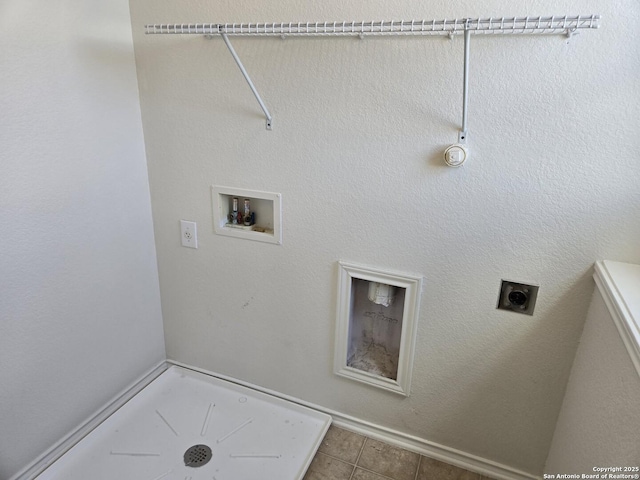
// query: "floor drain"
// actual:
[[197, 456]]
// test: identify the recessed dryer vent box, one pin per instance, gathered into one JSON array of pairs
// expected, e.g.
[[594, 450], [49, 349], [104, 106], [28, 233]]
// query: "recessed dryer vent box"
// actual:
[[517, 297], [376, 327], [266, 208]]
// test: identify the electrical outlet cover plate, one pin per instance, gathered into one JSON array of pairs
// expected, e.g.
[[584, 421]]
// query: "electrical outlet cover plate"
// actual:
[[517, 297], [188, 234]]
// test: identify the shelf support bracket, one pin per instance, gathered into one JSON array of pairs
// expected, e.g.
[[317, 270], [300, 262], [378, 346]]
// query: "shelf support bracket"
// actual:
[[248, 79], [462, 134]]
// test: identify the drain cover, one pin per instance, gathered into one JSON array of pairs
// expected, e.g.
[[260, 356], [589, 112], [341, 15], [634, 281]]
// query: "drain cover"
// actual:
[[197, 456]]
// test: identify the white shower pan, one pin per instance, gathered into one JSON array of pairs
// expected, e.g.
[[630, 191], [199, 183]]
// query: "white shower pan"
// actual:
[[187, 425]]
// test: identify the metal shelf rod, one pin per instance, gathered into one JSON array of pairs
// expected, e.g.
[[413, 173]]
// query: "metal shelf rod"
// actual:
[[462, 135], [248, 79]]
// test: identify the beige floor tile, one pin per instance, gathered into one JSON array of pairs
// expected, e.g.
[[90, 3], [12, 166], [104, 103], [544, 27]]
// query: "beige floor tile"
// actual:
[[431, 469], [324, 467], [365, 475], [387, 460], [342, 444]]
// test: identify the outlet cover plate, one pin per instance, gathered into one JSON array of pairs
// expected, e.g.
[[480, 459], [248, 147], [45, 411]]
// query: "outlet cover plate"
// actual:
[[188, 234]]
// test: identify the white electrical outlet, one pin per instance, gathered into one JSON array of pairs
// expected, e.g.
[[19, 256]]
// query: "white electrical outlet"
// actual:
[[188, 234]]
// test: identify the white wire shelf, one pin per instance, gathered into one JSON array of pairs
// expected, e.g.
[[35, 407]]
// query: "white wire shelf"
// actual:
[[549, 25], [502, 25]]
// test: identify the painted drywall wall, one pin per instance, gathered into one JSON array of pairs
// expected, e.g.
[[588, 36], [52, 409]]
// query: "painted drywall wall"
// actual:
[[600, 416], [359, 127], [79, 295]]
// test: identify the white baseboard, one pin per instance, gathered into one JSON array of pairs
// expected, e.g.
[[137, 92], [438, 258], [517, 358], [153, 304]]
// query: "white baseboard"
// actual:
[[432, 450], [36, 467], [402, 440]]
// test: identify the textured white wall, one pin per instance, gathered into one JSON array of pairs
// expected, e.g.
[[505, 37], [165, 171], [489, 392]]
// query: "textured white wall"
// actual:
[[79, 296], [359, 127], [600, 417]]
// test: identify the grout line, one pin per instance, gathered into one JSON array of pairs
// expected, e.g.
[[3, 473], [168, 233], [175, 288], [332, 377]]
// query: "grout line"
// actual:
[[334, 457], [353, 472], [361, 449], [342, 460], [378, 474], [355, 466]]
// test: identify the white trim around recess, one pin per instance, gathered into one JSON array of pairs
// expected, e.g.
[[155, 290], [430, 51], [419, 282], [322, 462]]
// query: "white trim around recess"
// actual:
[[412, 284]]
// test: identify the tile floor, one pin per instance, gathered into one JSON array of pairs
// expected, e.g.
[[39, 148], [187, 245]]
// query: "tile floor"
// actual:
[[345, 455]]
